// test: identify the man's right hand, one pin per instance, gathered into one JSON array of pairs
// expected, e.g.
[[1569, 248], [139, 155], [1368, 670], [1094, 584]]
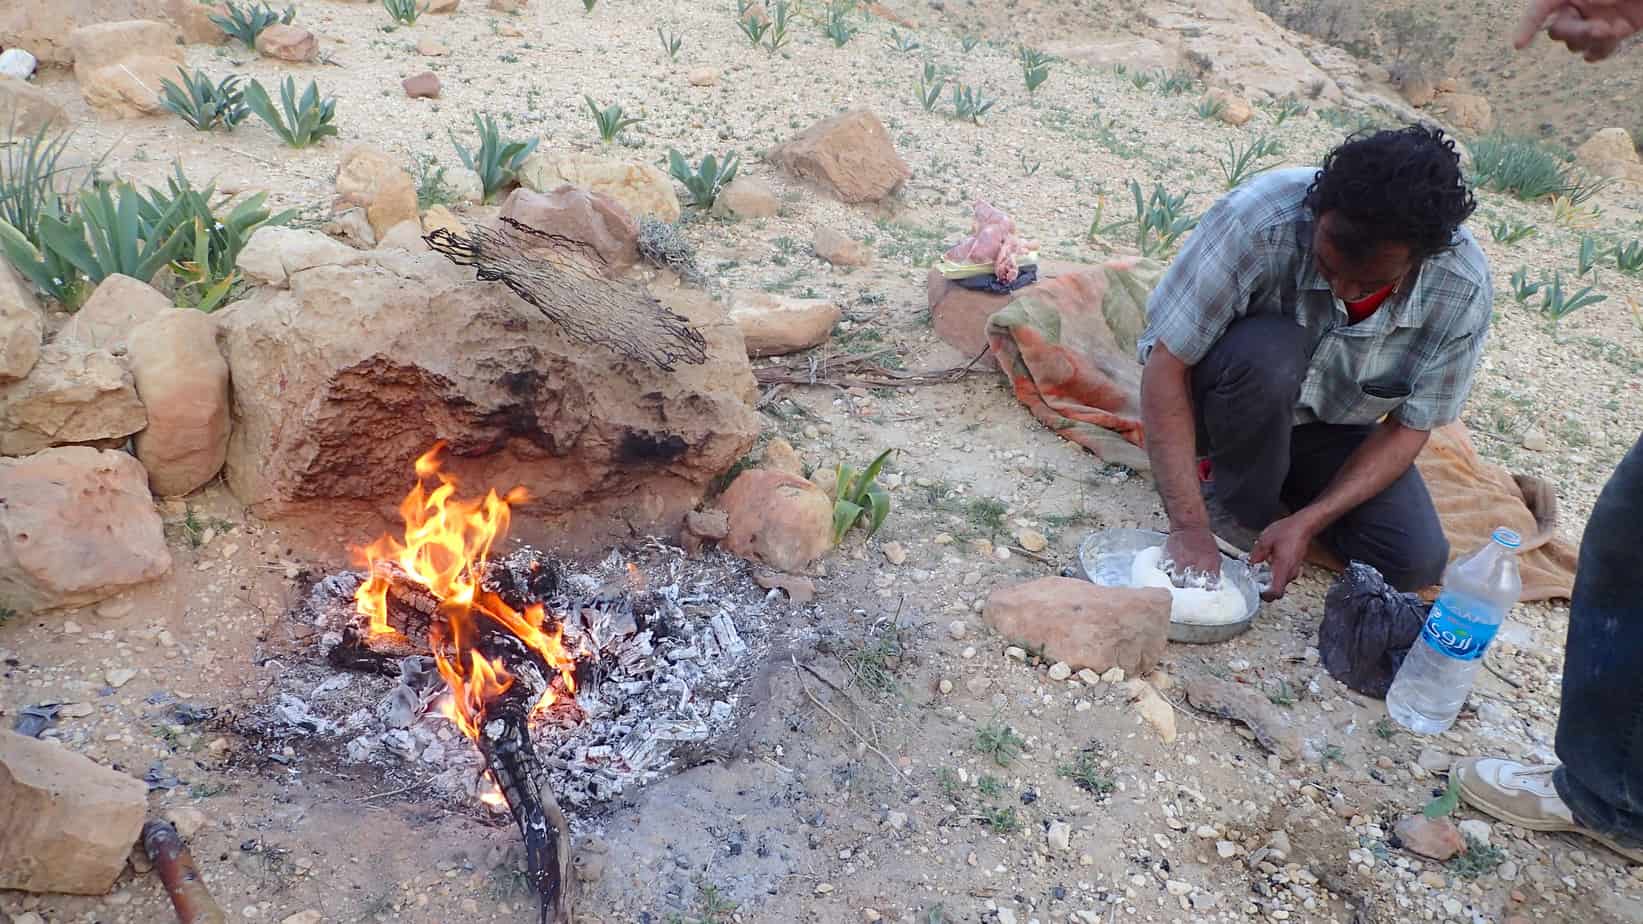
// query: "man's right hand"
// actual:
[[1192, 550], [1594, 28]]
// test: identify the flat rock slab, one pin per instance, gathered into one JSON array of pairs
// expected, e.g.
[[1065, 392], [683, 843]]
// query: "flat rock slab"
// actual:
[[1245, 704]]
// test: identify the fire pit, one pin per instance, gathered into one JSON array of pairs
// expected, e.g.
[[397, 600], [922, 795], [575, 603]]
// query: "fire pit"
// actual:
[[560, 684]]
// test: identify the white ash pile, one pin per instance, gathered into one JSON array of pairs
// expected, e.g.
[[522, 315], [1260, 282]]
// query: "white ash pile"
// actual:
[[665, 646]]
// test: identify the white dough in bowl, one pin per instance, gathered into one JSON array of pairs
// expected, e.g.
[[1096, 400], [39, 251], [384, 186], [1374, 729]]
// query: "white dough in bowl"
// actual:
[[1195, 605]]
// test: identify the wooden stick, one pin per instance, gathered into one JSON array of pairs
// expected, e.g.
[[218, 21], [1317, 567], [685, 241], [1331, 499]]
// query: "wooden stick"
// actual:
[[175, 867]]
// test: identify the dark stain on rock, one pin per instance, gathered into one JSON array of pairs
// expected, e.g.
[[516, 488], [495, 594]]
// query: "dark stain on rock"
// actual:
[[642, 446]]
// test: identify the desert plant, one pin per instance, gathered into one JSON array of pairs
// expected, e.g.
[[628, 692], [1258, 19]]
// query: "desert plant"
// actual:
[[246, 23], [779, 20], [998, 741], [1522, 288], [1244, 160], [661, 243], [404, 12], [1415, 42], [968, 41], [1520, 166], [1159, 220], [752, 25], [1510, 232], [969, 103], [704, 181], [1035, 67], [306, 118], [588, 5], [1566, 212], [1589, 254], [903, 43], [1628, 257], [113, 231], [35, 185], [1001, 819], [1557, 305], [1287, 108], [1085, 772], [1210, 107], [1478, 859], [671, 43], [1175, 83], [497, 161], [203, 104], [610, 120], [1139, 80], [929, 87], [838, 26], [431, 188], [205, 267], [858, 498]]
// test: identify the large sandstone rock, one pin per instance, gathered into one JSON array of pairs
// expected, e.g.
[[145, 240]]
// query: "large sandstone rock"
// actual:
[[1467, 112], [641, 188], [850, 156], [373, 180], [78, 526], [182, 381], [193, 21], [44, 26], [774, 325], [105, 43], [747, 197], [74, 394], [286, 42], [115, 308], [591, 218], [21, 325], [70, 823], [274, 253], [1243, 48], [1083, 624], [1235, 110], [129, 89], [777, 518], [342, 380], [839, 248], [1611, 152], [27, 109]]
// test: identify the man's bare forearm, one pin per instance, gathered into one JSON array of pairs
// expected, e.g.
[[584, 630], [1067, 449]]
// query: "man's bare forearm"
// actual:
[[1375, 464], [1166, 411]]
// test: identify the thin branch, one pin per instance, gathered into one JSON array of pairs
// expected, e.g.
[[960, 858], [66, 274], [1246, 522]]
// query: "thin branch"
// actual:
[[840, 719]]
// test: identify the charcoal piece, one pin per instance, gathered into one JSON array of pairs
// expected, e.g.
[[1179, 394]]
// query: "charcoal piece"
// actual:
[[1367, 629]]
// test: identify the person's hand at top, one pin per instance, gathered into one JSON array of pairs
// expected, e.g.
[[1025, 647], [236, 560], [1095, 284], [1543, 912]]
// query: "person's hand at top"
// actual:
[[1595, 28]]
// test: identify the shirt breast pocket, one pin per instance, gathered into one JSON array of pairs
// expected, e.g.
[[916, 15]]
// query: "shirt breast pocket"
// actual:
[[1381, 397]]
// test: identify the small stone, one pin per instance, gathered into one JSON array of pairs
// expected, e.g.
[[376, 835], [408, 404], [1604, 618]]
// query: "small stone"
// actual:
[[70, 627], [1433, 880], [1002, 553], [871, 915], [187, 820], [895, 553], [1535, 441], [1476, 829], [703, 76], [1508, 871], [1434, 760], [1060, 670], [1060, 835], [1015, 653], [1207, 832], [1436, 839], [1089, 677], [981, 548], [1177, 887], [1113, 675], [1005, 916], [74, 710], [119, 677], [422, 86], [1453, 907], [958, 628], [978, 685], [968, 652], [945, 686], [824, 888], [1032, 540], [431, 48], [896, 820], [1226, 850]]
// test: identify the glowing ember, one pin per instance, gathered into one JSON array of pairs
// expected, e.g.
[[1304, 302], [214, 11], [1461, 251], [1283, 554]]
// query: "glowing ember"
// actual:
[[447, 542]]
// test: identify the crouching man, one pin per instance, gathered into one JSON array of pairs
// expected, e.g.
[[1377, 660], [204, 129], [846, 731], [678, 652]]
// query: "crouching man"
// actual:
[[1315, 328]]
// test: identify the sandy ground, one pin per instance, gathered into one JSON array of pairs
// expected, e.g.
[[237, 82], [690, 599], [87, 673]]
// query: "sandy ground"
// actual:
[[810, 823]]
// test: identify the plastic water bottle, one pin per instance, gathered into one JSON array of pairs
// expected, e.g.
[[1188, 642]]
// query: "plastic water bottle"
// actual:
[[1478, 591]]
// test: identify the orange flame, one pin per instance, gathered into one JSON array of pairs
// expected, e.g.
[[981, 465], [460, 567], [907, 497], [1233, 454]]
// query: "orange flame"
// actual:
[[447, 542]]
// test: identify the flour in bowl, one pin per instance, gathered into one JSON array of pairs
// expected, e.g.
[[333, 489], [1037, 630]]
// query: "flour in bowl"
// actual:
[[1195, 605]]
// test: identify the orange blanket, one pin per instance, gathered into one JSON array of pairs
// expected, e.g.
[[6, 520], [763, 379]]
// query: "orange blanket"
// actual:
[[1068, 345]]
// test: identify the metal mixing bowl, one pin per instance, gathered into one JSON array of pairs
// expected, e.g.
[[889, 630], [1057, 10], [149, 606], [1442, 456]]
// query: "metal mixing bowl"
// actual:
[[1106, 556]]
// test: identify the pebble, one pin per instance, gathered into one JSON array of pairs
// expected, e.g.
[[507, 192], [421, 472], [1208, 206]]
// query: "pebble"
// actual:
[[1436, 839], [1089, 677], [703, 76], [1113, 675], [1508, 871], [1060, 835], [1006, 916], [75, 710], [187, 820], [978, 685], [1535, 441], [895, 553], [119, 676], [431, 48], [70, 627], [1453, 907], [958, 628], [1226, 850], [1207, 832], [1433, 880], [1015, 653], [1002, 553], [945, 686], [823, 888], [1032, 540], [896, 820], [1177, 887], [968, 652], [1493, 713], [1477, 830], [1060, 670], [1434, 760]]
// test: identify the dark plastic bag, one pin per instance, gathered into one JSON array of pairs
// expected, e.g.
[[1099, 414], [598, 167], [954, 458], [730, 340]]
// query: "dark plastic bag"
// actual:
[[1367, 629]]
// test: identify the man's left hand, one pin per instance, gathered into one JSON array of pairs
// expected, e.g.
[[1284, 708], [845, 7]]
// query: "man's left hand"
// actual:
[[1283, 545]]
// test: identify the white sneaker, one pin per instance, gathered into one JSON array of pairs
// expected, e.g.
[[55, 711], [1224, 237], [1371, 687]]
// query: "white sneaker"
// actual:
[[1524, 795]]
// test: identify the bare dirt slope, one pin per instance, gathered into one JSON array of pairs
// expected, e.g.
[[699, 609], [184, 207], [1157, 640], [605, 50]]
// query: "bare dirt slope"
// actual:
[[923, 809]]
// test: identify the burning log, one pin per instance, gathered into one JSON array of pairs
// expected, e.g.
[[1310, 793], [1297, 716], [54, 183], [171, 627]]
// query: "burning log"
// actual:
[[505, 741], [175, 867]]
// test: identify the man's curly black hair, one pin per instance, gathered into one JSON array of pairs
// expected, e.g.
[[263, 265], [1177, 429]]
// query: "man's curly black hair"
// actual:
[[1394, 186]]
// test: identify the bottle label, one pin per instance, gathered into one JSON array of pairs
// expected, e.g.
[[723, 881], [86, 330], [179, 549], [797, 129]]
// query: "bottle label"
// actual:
[[1453, 634]]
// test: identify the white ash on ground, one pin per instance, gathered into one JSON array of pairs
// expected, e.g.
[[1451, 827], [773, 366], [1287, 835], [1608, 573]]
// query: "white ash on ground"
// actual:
[[671, 640]]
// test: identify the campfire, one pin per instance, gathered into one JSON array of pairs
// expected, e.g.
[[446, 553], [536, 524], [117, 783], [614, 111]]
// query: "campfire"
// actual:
[[527, 683]]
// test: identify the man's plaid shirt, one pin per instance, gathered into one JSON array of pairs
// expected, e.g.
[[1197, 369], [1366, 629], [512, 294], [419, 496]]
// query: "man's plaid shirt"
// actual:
[[1413, 359]]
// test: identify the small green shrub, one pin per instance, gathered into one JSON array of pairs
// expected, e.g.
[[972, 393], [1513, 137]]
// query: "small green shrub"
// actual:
[[203, 104], [1557, 305], [36, 185], [1244, 160], [1035, 67], [930, 84], [1478, 859], [968, 41], [246, 23], [671, 43], [704, 181], [610, 120], [779, 21], [1001, 819], [904, 43], [1287, 108], [998, 741], [588, 5], [1510, 232], [1210, 107], [1085, 772], [1139, 80], [969, 103], [431, 188], [497, 161], [1522, 288], [306, 119], [114, 230], [1521, 167], [859, 498], [1628, 257], [838, 26], [404, 12], [1589, 254], [1160, 220], [754, 28], [1175, 83]]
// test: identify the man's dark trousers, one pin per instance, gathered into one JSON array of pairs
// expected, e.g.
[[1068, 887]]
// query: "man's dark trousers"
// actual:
[[1244, 391]]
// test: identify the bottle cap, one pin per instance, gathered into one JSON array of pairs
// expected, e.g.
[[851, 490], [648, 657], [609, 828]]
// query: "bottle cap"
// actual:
[[1507, 537]]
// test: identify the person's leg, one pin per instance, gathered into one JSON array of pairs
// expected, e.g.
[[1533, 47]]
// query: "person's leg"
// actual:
[[1600, 726], [1244, 392]]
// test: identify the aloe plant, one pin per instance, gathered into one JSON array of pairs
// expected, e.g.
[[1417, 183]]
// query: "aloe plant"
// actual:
[[859, 497], [929, 87], [497, 161], [203, 104], [404, 12], [838, 26], [969, 103], [1522, 288], [1035, 68], [112, 232], [1589, 254], [705, 180], [34, 185], [1628, 257], [610, 120], [306, 119], [1557, 305], [212, 240], [1244, 161], [671, 42], [246, 23]]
